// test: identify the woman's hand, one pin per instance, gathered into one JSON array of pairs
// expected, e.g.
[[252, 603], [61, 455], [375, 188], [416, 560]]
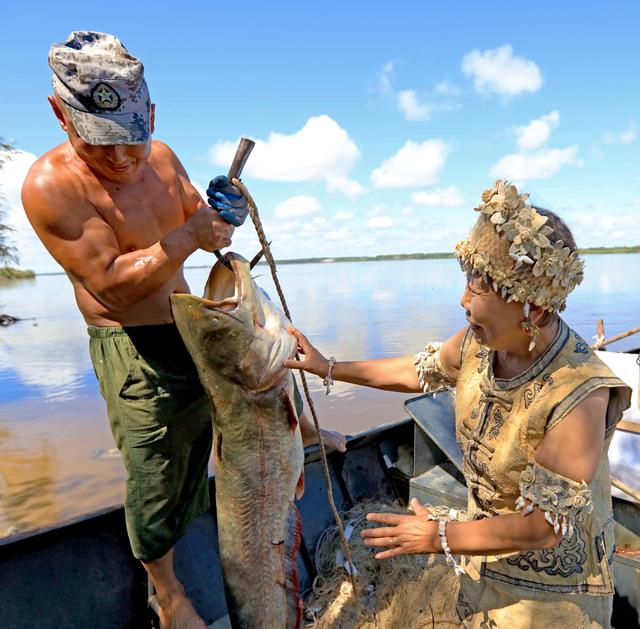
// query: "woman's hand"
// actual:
[[314, 362], [404, 534]]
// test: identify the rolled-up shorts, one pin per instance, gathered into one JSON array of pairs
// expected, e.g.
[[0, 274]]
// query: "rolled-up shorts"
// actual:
[[160, 418]]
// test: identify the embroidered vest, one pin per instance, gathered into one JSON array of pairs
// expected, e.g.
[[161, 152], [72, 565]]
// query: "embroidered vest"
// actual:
[[499, 425]]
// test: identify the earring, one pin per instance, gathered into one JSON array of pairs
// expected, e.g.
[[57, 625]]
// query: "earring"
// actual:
[[532, 330], [529, 327]]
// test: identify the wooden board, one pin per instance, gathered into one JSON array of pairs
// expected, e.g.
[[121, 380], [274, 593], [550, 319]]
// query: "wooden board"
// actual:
[[628, 426]]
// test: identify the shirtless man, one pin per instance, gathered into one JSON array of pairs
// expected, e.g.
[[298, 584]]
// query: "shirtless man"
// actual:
[[119, 214]]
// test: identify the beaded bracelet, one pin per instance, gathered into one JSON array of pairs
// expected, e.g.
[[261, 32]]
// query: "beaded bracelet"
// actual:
[[442, 533], [328, 380]]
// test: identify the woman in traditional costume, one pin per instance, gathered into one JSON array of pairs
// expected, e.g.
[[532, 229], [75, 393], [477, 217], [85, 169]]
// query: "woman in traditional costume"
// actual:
[[535, 411]]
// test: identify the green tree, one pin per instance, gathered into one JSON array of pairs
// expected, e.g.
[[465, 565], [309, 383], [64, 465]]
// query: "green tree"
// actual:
[[8, 253]]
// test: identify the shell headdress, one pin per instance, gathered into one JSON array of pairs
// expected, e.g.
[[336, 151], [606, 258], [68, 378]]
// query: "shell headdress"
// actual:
[[509, 248]]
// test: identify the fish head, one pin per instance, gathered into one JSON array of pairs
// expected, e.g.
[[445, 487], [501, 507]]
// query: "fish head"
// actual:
[[235, 330]]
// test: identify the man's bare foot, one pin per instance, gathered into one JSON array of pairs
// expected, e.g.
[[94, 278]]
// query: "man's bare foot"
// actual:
[[332, 440], [177, 612]]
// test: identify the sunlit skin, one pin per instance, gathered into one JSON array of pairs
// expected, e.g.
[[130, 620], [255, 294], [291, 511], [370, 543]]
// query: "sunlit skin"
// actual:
[[572, 448]]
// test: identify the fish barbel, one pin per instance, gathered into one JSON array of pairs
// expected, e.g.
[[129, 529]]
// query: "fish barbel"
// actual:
[[239, 341]]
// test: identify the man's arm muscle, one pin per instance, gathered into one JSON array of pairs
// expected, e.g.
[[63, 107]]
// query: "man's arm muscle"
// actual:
[[86, 247]]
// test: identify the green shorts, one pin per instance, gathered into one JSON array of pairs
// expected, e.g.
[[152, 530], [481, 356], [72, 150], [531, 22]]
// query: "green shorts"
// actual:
[[160, 418]]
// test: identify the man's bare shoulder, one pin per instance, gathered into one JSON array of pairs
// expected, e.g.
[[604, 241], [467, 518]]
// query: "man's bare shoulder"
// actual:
[[53, 164], [163, 156], [168, 167], [52, 180]]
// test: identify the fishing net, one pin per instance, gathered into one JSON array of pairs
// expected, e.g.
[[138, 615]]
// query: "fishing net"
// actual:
[[406, 592]]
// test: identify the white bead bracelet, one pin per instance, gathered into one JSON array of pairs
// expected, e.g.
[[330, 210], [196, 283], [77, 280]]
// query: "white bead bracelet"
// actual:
[[442, 533], [328, 380]]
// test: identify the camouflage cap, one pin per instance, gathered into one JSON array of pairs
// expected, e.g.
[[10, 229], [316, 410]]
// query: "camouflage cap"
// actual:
[[103, 88]]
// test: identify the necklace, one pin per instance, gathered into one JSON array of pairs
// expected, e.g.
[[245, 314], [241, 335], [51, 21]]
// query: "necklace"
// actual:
[[514, 370], [504, 355]]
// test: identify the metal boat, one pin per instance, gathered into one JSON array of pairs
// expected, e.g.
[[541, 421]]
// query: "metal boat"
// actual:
[[81, 574]]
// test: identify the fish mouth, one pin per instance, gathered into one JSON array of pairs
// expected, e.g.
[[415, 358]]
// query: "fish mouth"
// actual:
[[229, 288], [232, 293]]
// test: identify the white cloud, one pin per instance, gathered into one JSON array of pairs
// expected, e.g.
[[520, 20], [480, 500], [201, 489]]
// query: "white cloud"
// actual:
[[343, 215], [385, 77], [538, 165], [382, 295], [341, 233], [443, 197], [617, 221], [378, 210], [380, 222], [534, 160], [411, 107], [321, 150], [349, 188], [406, 211], [500, 71], [596, 229], [446, 88], [625, 137], [415, 164], [537, 132], [297, 206]]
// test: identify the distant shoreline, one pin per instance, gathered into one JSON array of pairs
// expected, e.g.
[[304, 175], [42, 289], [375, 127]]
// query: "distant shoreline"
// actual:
[[9, 273], [429, 256], [419, 256], [398, 256]]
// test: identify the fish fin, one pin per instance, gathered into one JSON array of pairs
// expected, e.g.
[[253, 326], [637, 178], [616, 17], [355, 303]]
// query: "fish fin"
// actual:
[[293, 535], [300, 485], [292, 416]]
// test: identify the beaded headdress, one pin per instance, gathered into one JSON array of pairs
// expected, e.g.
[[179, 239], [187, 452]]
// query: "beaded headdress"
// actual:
[[509, 248]]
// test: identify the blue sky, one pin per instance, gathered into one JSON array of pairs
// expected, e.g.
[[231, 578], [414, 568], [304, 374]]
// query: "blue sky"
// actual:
[[378, 127]]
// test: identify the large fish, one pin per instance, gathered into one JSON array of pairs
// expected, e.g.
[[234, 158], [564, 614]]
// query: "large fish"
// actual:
[[239, 342]]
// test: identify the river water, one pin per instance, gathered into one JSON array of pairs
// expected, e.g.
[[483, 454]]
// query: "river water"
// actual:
[[57, 457]]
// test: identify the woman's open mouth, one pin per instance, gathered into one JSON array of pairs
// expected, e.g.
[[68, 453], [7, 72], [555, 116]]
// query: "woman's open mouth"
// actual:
[[474, 326]]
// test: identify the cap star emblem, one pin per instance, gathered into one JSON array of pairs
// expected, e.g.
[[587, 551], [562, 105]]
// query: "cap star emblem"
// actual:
[[105, 97]]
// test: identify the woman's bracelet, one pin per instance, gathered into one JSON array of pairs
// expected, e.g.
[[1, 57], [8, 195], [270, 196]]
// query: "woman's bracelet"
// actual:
[[442, 533], [328, 379]]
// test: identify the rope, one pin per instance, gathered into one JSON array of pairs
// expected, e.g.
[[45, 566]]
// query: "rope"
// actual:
[[255, 217]]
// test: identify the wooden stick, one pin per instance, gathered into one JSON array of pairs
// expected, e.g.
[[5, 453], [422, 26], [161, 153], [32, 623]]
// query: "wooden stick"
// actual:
[[617, 337], [628, 426], [245, 146], [630, 491], [599, 333]]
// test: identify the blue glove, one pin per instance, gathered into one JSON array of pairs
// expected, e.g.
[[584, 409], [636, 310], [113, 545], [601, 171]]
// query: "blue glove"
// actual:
[[228, 200]]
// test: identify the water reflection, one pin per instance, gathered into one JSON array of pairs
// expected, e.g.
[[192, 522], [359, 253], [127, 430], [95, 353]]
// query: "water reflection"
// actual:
[[27, 482], [56, 451], [46, 354]]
